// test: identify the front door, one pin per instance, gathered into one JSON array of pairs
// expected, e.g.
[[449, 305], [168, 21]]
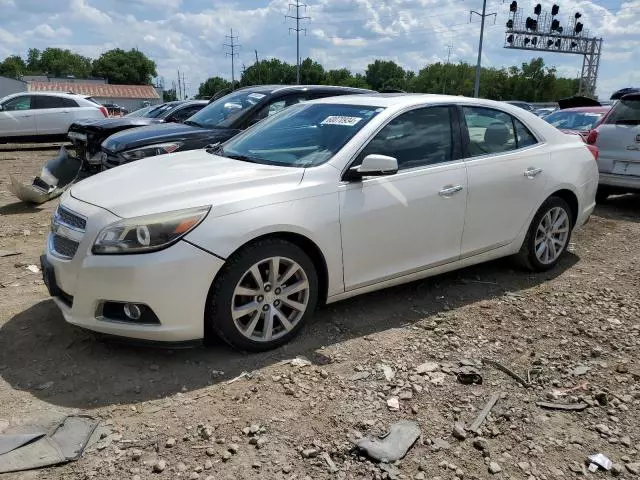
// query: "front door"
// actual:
[[506, 178], [17, 117], [53, 116], [399, 224]]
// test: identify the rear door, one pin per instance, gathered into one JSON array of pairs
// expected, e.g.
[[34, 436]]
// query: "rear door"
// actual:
[[507, 170], [17, 118], [619, 138], [52, 116]]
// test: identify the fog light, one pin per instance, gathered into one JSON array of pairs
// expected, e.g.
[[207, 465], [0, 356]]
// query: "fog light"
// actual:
[[132, 311]]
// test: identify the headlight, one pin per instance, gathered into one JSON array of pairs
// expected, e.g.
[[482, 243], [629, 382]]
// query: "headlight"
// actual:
[[148, 233], [151, 150]]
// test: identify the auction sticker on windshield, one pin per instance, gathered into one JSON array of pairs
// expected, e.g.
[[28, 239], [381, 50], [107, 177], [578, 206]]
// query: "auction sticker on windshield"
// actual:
[[341, 120]]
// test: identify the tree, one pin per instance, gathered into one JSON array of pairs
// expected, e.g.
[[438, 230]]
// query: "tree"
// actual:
[[58, 62], [33, 60], [311, 73], [211, 86], [13, 67], [269, 71], [122, 67], [385, 74], [169, 95]]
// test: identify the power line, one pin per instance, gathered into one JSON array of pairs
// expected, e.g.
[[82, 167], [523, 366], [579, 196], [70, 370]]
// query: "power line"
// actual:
[[483, 15], [297, 18], [233, 46]]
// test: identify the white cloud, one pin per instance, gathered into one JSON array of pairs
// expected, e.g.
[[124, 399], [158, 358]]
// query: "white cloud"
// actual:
[[45, 30]]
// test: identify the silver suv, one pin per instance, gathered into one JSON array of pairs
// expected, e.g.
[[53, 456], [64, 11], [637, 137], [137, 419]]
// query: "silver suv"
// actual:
[[618, 140], [45, 114]]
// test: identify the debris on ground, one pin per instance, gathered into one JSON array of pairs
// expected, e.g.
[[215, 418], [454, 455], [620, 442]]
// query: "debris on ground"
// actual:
[[599, 460], [573, 407], [506, 370], [479, 420], [9, 253], [395, 445]]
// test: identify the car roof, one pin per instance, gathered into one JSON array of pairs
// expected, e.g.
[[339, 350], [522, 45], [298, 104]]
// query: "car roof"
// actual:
[[603, 109], [408, 99], [271, 89]]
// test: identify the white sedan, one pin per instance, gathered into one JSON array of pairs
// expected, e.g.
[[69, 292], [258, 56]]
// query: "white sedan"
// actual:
[[326, 200]]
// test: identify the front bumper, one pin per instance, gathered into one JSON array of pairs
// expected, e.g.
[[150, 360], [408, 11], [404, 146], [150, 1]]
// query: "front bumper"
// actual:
[[623, 182], [174, 283]]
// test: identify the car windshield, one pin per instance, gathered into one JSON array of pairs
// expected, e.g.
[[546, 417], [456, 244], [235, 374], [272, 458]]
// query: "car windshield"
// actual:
[[625, 111], [142, 112], [224, 111], [303, 135], [580, 121]]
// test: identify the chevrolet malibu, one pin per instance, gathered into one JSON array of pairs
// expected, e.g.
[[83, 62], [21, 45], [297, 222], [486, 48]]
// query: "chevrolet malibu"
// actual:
[[323, 201]]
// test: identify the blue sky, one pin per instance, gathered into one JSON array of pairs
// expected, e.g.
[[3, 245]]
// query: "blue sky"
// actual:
[[188, 34]]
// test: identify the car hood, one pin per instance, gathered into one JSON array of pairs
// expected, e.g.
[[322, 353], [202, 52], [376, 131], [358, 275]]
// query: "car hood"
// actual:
[[112, 124], [168, 132], [578, 101], [183, 180]]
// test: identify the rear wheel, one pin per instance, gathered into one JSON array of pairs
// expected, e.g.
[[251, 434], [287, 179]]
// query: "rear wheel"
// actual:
[[263, 295], [548, 235]]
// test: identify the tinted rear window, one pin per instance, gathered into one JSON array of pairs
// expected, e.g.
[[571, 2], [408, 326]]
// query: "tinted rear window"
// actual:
[[626, 111]]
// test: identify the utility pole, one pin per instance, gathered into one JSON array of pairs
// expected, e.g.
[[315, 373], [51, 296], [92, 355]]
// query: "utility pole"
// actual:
[[184, 87], [233, 46], [179, 92], [444, 73], [258, 68], [297, 18], [483, 15]]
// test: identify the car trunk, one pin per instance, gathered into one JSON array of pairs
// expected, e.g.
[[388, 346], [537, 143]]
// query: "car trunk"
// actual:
[[619, 138]]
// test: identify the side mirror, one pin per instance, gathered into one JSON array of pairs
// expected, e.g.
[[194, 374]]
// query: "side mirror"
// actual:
[[375, 165]]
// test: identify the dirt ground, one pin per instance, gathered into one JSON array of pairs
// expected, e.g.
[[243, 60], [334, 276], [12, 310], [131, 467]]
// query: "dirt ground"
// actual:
[[574, 333]]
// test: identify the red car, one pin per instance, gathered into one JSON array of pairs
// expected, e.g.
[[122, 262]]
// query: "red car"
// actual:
[[578, 120]]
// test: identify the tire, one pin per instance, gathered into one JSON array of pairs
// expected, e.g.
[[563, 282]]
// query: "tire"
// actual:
[[266, 303], [602, 194], [537, 262]]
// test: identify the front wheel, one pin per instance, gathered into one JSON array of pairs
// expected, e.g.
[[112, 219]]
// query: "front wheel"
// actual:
[[548, 236], [263, 295]]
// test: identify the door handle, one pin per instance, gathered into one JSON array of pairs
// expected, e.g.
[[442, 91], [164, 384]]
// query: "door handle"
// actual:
[[531, 172], [449, 190]]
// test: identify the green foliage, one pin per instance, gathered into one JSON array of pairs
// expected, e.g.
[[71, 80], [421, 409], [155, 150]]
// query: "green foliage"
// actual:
[[122, 67], [118, 66], [211, 86], [385, 74], [169, 95], [13, 67]]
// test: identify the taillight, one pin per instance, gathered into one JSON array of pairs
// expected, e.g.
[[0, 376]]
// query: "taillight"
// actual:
[[592, 137], [104, 111], [594, 151]]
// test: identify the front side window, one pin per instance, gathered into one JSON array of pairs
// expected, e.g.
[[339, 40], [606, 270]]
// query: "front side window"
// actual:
[[416, 138], [490, 131], [625, 112], [303, 135], [22, 102], [223, 112], [182, 114]]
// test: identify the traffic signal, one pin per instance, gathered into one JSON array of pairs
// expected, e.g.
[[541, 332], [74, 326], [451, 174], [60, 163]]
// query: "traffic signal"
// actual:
[[555, 24], [577, 15], [509, 23], [531, 24], [549, 43], [574, 44], [554, 10], [510, 39], [534, 41], [537, 9], [579, 27], [527, 40], [513, 7], [558, 43]]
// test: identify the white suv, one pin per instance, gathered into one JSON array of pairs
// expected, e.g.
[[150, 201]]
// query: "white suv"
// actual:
[[45, 114]]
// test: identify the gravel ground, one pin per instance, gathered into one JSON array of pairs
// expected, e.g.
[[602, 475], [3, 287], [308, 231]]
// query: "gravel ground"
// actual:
[[212, 413]]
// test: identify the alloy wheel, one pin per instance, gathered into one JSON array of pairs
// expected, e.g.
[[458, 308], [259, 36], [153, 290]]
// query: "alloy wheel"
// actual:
[[552, 235], [270, 299]]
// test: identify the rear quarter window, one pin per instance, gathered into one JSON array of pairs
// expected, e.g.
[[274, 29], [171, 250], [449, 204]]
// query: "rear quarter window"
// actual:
[[625, 111]]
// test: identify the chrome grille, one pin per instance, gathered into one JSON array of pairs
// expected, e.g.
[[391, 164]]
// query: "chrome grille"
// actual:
[[64, 247], [71, 219]]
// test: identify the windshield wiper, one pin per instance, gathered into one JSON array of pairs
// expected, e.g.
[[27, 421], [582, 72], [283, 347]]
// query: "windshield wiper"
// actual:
[[192, 123], [243, 158]]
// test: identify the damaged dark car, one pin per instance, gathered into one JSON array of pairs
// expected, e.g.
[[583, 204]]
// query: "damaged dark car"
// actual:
[[217, 122], [86, 138]]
